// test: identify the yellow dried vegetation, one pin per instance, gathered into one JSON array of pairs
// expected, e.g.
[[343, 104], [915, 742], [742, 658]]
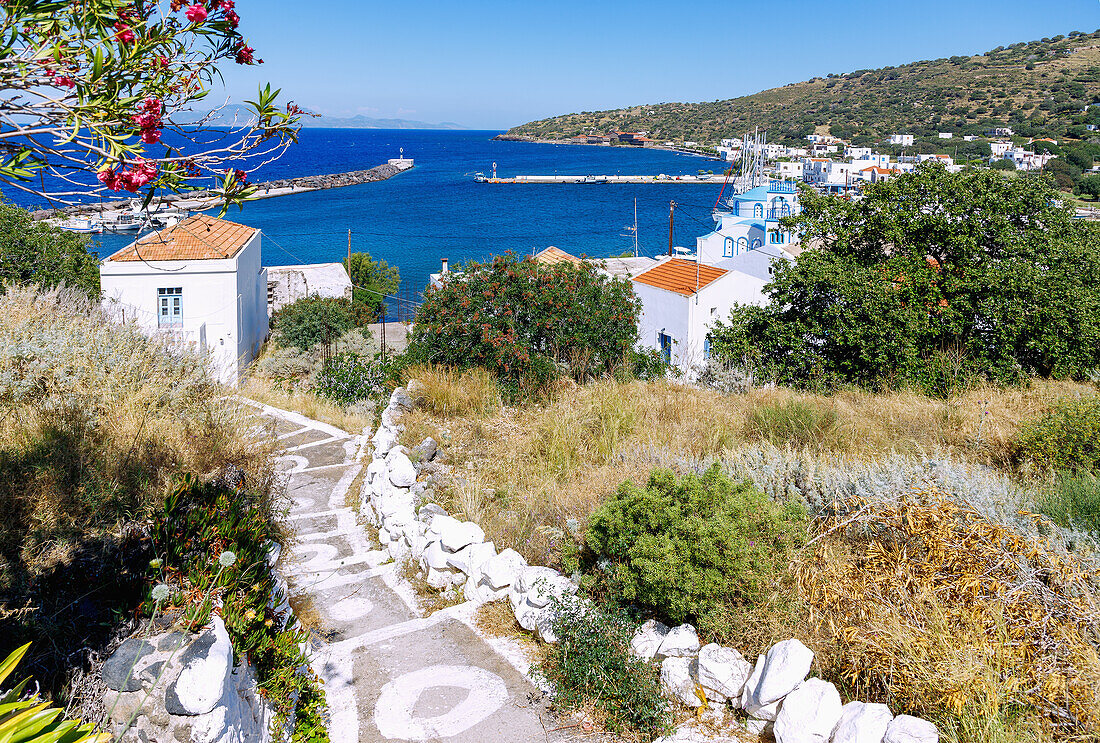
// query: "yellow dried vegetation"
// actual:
[[925, 603]]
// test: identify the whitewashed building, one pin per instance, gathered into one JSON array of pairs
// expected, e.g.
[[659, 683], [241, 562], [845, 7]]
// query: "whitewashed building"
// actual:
[[287, 284], [749, 221], [905, 140], [200, 283]]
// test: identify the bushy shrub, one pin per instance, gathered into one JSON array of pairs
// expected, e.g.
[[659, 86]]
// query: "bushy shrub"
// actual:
[[39, 254], [312, 321], [348, 378], [591, 665], [1066, 438], [1073, 501], [687, 548], [520, 320]]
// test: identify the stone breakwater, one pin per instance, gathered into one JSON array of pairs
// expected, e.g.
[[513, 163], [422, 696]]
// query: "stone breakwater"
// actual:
[[779, 700], [266, 190]]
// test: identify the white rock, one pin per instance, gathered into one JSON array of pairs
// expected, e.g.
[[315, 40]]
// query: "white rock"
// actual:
[[769, 711], [549, 587], [439, 579], [417, 544], [470, 558], [648, 638], [397, 549], [680, 642], [862, 723], [434, 556], [757, 727], [722, 672], [809, 713], [776, 674], [455, 537], [429, 510], [908, 729], [402, 472], [438, 523], [500, 571], [545, 624], [202, 681], [384, 439], [529, 616], [678, 680]]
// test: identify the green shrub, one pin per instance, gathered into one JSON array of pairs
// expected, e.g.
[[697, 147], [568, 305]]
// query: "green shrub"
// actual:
[[1066, 438], [1074, 500], [688, 549], [348, 378], [312, 321], [591, 665], [793, 423]]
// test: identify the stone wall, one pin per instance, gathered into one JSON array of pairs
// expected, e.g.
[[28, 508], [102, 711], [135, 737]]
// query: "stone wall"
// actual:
[[773, 692]]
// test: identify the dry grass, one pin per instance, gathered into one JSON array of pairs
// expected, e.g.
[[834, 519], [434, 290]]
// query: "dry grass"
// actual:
[[928, 604], [526, 470], [265, 390], [448, 393], [428, 599], [495, 619]]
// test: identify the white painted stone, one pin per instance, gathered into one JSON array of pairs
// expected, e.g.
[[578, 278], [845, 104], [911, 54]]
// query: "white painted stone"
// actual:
[[809, 713], [548, 587], [469, 559], [434, 556], [455, 538], [680, 642], [528, 616], [776, 674], [401, 470], [722, 672], [428, 510], [384, 439], [545, 624], [202, 681], [397, 549], [862, 723], [439, 579], [757, 727], [440, 522], [648, 638], [909, 729], [350, 609], [395, 716], [417, 544], [678, 680], [500, 571]]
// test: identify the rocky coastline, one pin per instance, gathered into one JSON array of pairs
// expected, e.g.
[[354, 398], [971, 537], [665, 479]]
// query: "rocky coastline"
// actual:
[[265, 190]]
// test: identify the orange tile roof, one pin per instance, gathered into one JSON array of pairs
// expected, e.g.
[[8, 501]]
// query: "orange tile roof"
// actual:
[[197, 238], [552, 255], [680, 276]]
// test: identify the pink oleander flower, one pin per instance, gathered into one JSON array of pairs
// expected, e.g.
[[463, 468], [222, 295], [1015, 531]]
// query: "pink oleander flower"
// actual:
[[153, 105], [244, 53], [124, 34], [65, 81], [109, 178], [227, 5], [150, 136], [196, 13], [232, 18]]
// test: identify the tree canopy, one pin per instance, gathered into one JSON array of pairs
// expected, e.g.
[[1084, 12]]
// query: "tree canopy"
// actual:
[[36, 253], [89, 89], [931, 280], [371, 280]]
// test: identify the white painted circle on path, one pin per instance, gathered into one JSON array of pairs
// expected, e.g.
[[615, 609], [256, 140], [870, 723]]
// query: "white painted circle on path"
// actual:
[[350, 608], [393, 713]]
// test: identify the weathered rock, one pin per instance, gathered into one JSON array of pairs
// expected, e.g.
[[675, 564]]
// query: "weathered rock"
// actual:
[[428, 511], [678, 680], [862, 723], [722, 672], [425, 451], [501, 571], [533, 574], [648, 638], [455, 537], [758, 727], [434, 556], [120, 671], [908, 729], [439, 579], [470, 558], [546, 588], [776, 674], [384, 439], [206, 666], [401, 400], [680, 642], [402, 472], [809, 713], [529, 616]]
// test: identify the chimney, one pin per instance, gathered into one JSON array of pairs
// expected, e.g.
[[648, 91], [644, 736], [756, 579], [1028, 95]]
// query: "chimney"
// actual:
[[444, 266]]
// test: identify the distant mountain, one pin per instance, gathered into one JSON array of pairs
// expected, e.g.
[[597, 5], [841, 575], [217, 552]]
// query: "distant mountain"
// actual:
[[237, 114], [1038, 88]]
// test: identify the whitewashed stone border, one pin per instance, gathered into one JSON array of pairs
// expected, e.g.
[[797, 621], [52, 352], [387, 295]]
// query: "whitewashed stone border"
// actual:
[[454, 555]]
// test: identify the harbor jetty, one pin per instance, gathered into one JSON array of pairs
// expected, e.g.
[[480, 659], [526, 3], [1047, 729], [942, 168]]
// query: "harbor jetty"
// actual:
[[201, 200], [705, 179]]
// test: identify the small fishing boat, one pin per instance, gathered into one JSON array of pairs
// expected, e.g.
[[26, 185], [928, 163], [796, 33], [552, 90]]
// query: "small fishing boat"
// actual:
[[124, 223], [76, 224]]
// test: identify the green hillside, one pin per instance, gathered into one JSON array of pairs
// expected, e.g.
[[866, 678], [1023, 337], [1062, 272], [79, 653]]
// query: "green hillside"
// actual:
[[1038, 88]]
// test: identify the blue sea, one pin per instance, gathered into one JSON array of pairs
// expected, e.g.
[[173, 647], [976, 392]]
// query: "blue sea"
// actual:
[[437, 210]]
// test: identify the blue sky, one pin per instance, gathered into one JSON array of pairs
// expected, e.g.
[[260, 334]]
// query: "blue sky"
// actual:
[[492, 64]]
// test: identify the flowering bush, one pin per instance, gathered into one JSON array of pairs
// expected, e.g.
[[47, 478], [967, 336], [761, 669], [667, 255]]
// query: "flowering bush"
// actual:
[[518, 319], [312, 321], [98, 81]]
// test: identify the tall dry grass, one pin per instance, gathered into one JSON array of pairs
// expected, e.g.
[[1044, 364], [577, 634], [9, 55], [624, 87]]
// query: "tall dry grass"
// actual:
[[269, 392]]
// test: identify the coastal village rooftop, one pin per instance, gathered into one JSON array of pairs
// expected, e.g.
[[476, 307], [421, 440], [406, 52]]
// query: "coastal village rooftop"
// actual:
[[196, 238], [680, 276]]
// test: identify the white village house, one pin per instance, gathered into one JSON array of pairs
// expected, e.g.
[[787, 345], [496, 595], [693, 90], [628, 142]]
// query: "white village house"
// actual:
[[200, 283]]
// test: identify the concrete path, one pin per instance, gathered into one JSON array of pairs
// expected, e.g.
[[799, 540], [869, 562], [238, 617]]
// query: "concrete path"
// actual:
[[390, 673]]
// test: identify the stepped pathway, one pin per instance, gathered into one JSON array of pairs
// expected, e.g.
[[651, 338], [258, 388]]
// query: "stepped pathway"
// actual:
[[390, 673]]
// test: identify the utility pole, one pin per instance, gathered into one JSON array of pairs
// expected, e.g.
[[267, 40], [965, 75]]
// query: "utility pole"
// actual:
[[349, 257], [671, 212]]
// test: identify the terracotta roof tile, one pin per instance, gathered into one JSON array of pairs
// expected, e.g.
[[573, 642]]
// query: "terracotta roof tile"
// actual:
[[197, 238], [552, 255], [680, 276]]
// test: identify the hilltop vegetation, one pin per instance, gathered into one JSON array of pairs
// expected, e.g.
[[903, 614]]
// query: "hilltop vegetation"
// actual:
[[1038, 88]]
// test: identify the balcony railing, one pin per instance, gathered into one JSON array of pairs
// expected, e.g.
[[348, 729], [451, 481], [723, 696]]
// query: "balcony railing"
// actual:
[[782, 187]]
